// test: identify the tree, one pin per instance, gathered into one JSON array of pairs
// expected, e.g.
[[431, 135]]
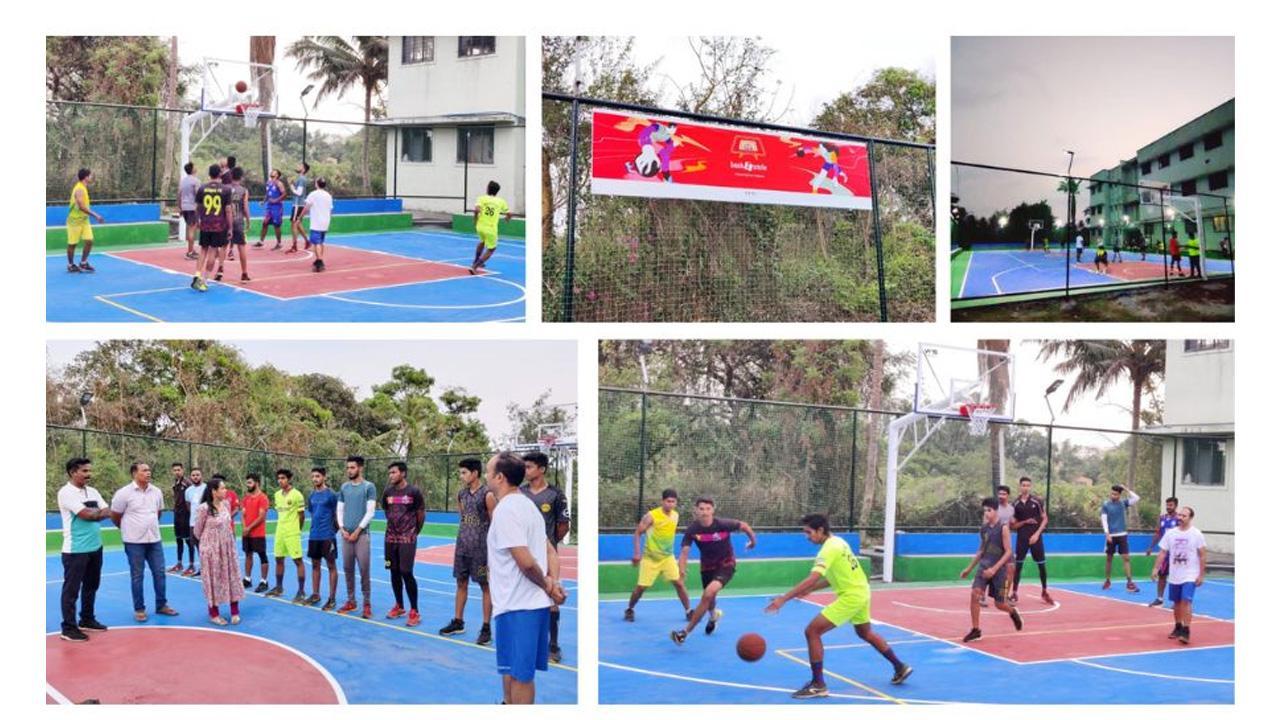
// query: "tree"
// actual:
[[525, 420], [996, 371], [262, 50], [339, 64], [731, 81], [896, 103], [1098, 365]]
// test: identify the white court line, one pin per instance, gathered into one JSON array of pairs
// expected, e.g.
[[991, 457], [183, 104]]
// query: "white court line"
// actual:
[[964, 282], [965, 611], [57, 696], [333, 683], [127, 309], [1163, 608], [1162, 676], [1175, 648], [723, 683], [523, 294]]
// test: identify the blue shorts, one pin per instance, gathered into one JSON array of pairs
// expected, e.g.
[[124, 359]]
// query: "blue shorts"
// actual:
[[274, 214], [317, 237], [521, 638], [1184, 592]]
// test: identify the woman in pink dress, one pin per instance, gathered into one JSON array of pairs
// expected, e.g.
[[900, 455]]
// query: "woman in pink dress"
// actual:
[[219, 564]]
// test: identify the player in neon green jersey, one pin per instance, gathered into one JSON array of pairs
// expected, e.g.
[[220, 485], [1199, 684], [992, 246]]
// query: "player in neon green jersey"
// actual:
[[659, 557], [488, 209]]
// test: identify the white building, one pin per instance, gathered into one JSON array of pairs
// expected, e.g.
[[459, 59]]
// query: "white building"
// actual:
[[458, 106], [1199, 465]]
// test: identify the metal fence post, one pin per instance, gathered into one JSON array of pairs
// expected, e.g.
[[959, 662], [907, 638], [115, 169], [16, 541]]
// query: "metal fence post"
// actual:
[[931, 167], [644, 450], [1164, 240], [875, 223], [395, 162], [466, 168], [155, 142], [572, 220], [853, 472], [1071, 228], [1231, 256]]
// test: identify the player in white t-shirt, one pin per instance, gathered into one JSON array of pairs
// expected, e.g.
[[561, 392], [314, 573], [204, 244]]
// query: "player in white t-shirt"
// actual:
[[1184, 547], [320, 207], [523, 580]]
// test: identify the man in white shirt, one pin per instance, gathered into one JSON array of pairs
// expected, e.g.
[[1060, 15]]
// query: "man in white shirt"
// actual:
[[83, 510], [135, 509], [1184, 547], [523, 580], [1079, 246], [320, 207], [194, 495]]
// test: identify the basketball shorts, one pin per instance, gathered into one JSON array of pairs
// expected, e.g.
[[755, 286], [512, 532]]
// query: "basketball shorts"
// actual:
[[297, 211], [274, 214], [522, 639], [190, 218], [215, 239], [237, 234], [289, 546], [77, 231], [721, 574], [322, 550], [1118, 545], [1182, 592], [471, 566], [489, 238], [317, 237], [995, 585], [853, 607], [650, 570], [254, 546], [1024, 544]]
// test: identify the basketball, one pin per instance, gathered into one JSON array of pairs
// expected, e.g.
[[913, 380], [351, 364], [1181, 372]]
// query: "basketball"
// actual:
[[241, 86], [751, 647]]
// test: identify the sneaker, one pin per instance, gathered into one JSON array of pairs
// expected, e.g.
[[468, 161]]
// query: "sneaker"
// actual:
[[300, 598], [191, 570], [244, 277], [485, 636], [276, 591], [92, 625], [1106, 584], [277, 247], [313, 599], [196, 574], [166, 610], [247, 582], [1185, 636], [1016, 618], [195, 282], [258, 244], [293, 249], [217, 277], [982, 601], [86, 267], [901, 674], [454, 627], [74, 635], [319, 266], [176, 568], [193, 256], [414, 619], [218, 620], [367, 612], [809, 691], [1156, 603], [1044, 595], [1176, 632], [235, 619], [974, 634], [73, 269], [629, 615], [678, 636], [347, 607], [711, 624], [262, 587], [1013, 598], [395, 612], [202, 286], [1131, 586], [329, 605], [553, 653]]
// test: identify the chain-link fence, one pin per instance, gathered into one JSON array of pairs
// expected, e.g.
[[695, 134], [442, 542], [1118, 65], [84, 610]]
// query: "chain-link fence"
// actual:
[[1020, 234], [631, 259], [769, 463], [112, 454]]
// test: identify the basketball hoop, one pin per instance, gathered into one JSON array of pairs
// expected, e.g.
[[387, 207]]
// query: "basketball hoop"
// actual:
[[979, 414], [548, 442]]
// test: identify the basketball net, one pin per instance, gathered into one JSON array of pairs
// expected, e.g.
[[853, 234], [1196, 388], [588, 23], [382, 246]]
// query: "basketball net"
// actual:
[[979, 415], [548, 442]]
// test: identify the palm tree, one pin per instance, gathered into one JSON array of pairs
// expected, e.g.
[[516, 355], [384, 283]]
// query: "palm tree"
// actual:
[[338, 64], [262, 49], [996, 370], [1071, 187], [1100, 364]]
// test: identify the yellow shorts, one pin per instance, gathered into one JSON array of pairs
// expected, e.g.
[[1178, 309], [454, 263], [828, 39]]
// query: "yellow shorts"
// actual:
[[651, 569], [289, 546], [77, 231], [852, 607], [490, 239]]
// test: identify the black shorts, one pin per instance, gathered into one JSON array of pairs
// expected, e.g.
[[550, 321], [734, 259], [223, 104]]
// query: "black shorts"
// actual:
[[182, 524], [322, 550], [237, 236], [254, 546], [723, 574], [471, 566], [297, 212], [1118, 545], [400, 556], [995, 585], [190, 218], [215, 239], [1024, 544]]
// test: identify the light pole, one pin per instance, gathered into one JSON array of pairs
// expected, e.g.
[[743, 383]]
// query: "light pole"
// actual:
[[302, 99], [1048, 480], [644, 347]]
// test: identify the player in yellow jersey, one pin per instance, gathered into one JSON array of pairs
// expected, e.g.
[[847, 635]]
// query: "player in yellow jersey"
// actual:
[[488, 209], [659, 553], [838, 568], [79, 232]]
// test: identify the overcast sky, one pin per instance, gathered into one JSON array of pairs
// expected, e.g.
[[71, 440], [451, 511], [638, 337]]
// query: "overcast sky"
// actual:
[[807, 72], [1022, 101], [499, 372]]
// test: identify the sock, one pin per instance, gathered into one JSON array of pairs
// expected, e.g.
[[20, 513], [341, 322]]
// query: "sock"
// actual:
[[213, 611], [235, 608], [816, 667], [890, 656], [555, 628]]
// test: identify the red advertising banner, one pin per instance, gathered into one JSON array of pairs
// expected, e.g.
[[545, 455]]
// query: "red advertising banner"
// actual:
[[653, 156]]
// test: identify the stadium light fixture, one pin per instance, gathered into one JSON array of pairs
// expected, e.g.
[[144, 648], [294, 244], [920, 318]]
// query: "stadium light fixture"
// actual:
[[1053, 387], [1004, 220], [302, 98]]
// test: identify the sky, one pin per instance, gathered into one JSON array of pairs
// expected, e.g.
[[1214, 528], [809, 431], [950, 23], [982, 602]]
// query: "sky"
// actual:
[[1022, 101], [807, 73], [484, 368]]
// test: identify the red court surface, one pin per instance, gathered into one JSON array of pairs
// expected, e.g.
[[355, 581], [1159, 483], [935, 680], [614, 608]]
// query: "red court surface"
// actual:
[[1077, 626], [136, 665], [1128, 270], [286, 277], [443, 555]]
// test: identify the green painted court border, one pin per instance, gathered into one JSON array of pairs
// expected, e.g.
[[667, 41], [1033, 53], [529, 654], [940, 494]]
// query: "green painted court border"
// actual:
[[111, 535], [959, 270], [114, 235]]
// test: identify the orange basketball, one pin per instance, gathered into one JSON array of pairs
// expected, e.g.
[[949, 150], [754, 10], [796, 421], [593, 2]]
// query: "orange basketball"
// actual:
[[241, 86], [751, 647]]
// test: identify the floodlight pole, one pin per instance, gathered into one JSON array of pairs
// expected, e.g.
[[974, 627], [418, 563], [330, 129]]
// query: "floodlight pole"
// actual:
[[302, 99], [1048, 473]]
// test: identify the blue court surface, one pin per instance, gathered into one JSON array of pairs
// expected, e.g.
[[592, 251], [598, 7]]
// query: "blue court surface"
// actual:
[[1074, 662], [387, 276], [995, 272], [333, 658]]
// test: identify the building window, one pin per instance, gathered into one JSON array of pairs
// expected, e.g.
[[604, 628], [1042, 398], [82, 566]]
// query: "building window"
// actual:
[[417, 49], [1163, 160], [1218, 180], [1186, 152], [1221, 224], [1204, 462], [481, 145], [415, 144], [1213, 140], [472, 45], [1187, 188], [1146, 168], [1194, 346]]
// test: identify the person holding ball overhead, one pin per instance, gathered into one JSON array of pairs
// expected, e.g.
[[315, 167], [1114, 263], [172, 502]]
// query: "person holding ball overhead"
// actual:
[[836, 567]]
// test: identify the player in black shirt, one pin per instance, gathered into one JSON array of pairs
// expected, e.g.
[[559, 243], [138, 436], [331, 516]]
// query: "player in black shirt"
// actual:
[[554, 506], [213, 211], [1029, 520]]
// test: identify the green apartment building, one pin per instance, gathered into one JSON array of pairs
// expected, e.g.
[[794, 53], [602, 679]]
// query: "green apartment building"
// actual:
[[1196, 160]]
